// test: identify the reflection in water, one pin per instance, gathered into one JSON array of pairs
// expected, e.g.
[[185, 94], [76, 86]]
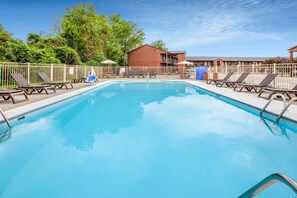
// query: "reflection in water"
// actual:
[[113, 108], [5, 135], [275, 128], [92, 98]]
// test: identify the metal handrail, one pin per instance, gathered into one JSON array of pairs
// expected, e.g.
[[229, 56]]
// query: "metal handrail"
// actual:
[[285, 109], [5, 118], [274, 96], [267, 182]]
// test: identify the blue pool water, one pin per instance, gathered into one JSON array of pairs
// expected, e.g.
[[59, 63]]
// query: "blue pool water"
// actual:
[[145, 140]]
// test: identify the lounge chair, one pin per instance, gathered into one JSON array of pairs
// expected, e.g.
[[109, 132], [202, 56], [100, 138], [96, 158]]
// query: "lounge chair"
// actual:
[[80, 78], [29, 89], [249, 87], [209, 81], [152, 74], [272, 91], [229, 83], [185, 76], [130, 73], [47, 81], [141, 73], [126, 74], [9, 94]]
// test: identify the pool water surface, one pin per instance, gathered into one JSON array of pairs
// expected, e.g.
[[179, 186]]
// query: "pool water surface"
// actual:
[[145, 140]]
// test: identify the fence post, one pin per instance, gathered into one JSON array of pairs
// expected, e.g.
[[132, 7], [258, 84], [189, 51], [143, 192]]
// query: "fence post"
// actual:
[[274, 71], [28, 73], [274, 68], [85, 70], [65, 70], [76, 71], [52, 72], [2, 84], [253, 72]]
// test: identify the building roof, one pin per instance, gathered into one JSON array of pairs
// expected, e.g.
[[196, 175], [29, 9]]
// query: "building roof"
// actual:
[[212, 58], [170, 52], [148, 46], [293, 48], [177, 52]]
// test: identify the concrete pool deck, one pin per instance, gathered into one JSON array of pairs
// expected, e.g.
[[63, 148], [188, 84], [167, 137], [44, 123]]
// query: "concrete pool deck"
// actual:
[[38, 101], [251, 99]]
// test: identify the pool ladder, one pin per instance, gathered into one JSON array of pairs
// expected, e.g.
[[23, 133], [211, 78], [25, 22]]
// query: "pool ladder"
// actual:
[[286, 106], [269, 181], [5, 118]]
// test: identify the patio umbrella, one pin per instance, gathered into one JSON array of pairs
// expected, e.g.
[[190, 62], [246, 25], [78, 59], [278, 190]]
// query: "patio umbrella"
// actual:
[[108, 62], [185, 63]]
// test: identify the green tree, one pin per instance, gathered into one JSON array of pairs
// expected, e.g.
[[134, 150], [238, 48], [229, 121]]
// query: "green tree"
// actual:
[[5, 37], [51, 50], [37, 40], [17, 51], [67, 55], [34, 39], [159, 44], [124, 36], [276, 60], [92, 63], [82, 36], [47, 55], [85, 31]]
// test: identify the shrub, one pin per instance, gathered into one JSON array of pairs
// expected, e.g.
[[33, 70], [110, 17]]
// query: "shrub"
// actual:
[[67, 55], [92, 63]]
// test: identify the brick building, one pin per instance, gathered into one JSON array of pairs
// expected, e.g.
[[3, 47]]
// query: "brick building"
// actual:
[[158, 60], [291, 51], [222, 61], [149, 56]]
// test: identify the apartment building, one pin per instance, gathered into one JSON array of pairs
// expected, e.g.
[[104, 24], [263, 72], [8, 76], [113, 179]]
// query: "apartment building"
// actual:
[[149, 56], [223, 61]]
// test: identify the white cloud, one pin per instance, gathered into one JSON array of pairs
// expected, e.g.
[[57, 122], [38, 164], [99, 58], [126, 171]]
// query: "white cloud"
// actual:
[[187, 24], [200, 120]]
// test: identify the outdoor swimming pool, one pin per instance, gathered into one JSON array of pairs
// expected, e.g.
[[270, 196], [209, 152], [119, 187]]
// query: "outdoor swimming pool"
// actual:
[[142, 139]]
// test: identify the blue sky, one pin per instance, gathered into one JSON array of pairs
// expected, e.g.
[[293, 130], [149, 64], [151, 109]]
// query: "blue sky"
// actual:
[[255, 28]]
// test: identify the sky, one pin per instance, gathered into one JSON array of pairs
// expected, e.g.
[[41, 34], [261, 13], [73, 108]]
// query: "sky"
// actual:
[[247, 28]]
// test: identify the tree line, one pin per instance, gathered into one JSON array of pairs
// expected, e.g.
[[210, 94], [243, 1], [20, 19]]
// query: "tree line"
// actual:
[[279, 60], [81, 37]]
